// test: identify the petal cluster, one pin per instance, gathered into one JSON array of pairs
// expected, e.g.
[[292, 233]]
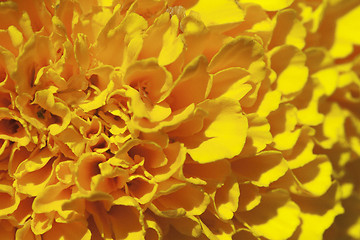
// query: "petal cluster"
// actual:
[[168, 119]]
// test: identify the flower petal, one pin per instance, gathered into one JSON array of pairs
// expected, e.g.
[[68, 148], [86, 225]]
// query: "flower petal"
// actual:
[[187, 225], [344, 39], [226, 199], [288, 30], [276, 217], [189, 200], [141, 189], [230, 83], [223, 135], [192, 85], [271, 5], [258, 132], [247, 50], [126, 222], [249, 197], [262, 169], [317, 214], [114, 38], [173, 45], [214, 228], [316, 175], [68, 231], [289, 64], [215, 13]]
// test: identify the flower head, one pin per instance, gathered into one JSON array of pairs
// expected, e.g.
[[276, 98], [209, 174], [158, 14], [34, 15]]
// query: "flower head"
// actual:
[[167, 119]]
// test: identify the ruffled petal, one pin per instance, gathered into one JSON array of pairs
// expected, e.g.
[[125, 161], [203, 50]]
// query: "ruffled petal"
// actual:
[[214, 13], [276, 217], [224, 126]]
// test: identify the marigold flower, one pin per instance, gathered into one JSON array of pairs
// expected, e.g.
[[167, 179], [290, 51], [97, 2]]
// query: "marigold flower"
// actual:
[[168, 119]]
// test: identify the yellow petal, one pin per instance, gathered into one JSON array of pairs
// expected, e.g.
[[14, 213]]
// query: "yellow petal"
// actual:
[[114, 38], [9, 39], [64, 172], [86, 168], [36, 50], [309, 114], [289, 64], [7, 61], [262, 169], [153, 39], [315, 176], [100, 220], [70, 138], [345, 37], [288, 30], [68, 231], [230, 83], [51, 198], [276, 217], [81, 51], [169, 186], [282, 130], [46, 100], [142, 189], [102, 80], [214, 12], [302, 152], [173, 120], [318, 214], [148, 78], [249, 197], [192, 24], [269, 103], [35, 173], [271, 5], [144, 109], [258, 132], [16, 36], [153, 230], [13, 128], [214, 228], [188, 200], [247, 51], [41, 222], [132, 50], [173, 44], [333, 126], [26, 233], [226, 199], [175, 154], [223, 135], [328, 78], [207, 173], [192, 85], [17, 156], [99, 144], [286, 140], [126, 222], [317, 58], [9, 200], [187, 225], [190, 126]]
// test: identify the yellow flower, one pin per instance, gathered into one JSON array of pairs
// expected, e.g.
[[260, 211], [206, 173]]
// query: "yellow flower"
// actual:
[[169, 119]]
